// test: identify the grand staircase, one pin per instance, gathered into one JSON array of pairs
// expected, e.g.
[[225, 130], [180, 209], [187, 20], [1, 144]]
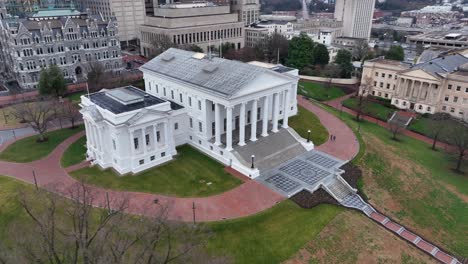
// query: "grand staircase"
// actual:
[[270, 151]]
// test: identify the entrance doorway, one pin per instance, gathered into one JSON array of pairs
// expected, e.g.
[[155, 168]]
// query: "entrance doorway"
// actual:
[[412, 106]]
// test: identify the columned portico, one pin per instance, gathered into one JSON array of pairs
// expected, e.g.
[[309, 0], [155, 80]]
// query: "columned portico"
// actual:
[[253, 119], [217, 125], [265, 116], [285, 108], [228, 128], [242, 125], [275, 109]]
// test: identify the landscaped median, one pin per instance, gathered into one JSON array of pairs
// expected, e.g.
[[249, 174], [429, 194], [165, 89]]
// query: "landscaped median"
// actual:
[[28, 149], [318, 91], [305, 121], [373, 109], [190, 174]]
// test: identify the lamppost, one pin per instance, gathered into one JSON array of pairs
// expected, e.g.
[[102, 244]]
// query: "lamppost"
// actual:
[[308, 136], [253, 159]]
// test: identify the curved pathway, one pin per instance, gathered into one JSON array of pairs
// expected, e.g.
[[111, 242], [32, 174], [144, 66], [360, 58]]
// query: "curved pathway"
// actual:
[[249, 198]]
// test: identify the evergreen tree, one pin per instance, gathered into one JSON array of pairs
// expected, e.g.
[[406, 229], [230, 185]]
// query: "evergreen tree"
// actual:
[[51, 82], [301, 50], [344, 60], [321, 56], [395, 53]]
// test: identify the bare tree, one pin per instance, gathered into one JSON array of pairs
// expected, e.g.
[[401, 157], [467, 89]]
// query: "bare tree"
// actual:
[[436, 126], [458, 136], [362, 93], [361, 50], [396, 128], [160, 45], [70, 112], [37, 114], [95, 76], [72, 231]]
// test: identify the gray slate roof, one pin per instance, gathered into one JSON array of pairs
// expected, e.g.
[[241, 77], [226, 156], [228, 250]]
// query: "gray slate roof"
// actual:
[[224, 77], [443, 64]]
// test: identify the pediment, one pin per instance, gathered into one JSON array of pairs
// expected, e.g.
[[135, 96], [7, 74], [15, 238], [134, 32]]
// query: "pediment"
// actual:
[[145, 116], [419, 73], [263, 81]]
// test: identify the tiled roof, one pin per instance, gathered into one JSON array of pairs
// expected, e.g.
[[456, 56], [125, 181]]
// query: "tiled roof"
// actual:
[[443, 64], [224, 77]]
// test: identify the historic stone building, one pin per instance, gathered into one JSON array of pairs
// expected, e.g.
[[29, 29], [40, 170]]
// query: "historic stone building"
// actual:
[[64, 37], [438, 85], [221, 107]]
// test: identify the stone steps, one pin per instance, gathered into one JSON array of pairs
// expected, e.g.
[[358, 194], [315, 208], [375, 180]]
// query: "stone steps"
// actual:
[[338, 189], [280, 157]]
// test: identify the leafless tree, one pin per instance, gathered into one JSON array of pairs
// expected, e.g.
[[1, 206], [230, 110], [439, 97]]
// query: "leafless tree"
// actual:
[[96, 76], [160, 45], [70, 112], [458, 136], [362, 94], [72, 231], [37, 114], [361, 50], [396, 128], [436, 126]]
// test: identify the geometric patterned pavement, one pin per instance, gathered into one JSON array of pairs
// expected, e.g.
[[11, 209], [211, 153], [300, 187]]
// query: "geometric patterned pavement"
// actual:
[[306, 171]]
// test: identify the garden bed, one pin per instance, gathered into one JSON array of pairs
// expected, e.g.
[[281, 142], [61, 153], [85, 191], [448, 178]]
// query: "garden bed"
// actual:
[[306, 199]]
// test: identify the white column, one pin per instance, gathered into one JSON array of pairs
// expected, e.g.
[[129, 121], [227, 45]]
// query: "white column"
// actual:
[[275, 110], [242, 125], [266, 109], [229, 128], [253, 118], [166, 133], [217, 125], [88, 133], [143, 132], [285, 108], [98, 138]]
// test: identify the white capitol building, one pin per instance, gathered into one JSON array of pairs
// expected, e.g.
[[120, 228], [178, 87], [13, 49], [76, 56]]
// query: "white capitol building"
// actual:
[[216, 105]]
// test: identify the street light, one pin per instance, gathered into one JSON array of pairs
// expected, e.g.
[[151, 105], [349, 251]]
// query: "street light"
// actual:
[[253, 159], [308, 136]]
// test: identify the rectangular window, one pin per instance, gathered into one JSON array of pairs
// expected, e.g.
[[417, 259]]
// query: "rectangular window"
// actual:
[[191, 122], [180, 97], [164, 91], [158, 136], [172, 95], [113, 144], [376, 74], [163, 154], [152, 158], [142, 162], [190, 101], [259, 110], [176, 126], [147, 138], [444, 107], [458, 88], [449, 87], [446, 98], [212, 107], [200, 126], [455, 99], [383, 75], [199, 105], [452, 110], [135, 142]]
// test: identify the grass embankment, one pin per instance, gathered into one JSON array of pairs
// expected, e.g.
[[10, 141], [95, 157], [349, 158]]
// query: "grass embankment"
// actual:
[[28, 149]]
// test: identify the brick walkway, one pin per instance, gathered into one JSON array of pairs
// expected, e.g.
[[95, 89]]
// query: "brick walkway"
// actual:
[[346, 146]]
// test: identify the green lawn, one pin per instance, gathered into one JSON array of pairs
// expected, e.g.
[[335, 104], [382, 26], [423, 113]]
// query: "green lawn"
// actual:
[[191, 174], [318, 91], [271, 236], [415, 185], [305, 120], [373, 109], [28, 149], [75, 97], [421, 126], [75, 153], [268, 237]]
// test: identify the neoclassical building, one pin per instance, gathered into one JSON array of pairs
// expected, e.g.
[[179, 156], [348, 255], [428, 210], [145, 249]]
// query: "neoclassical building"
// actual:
[[438, 85], [64, 37], [213, 104]]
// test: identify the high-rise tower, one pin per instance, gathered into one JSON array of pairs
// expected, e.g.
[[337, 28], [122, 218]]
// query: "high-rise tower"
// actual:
[[356, 16]]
